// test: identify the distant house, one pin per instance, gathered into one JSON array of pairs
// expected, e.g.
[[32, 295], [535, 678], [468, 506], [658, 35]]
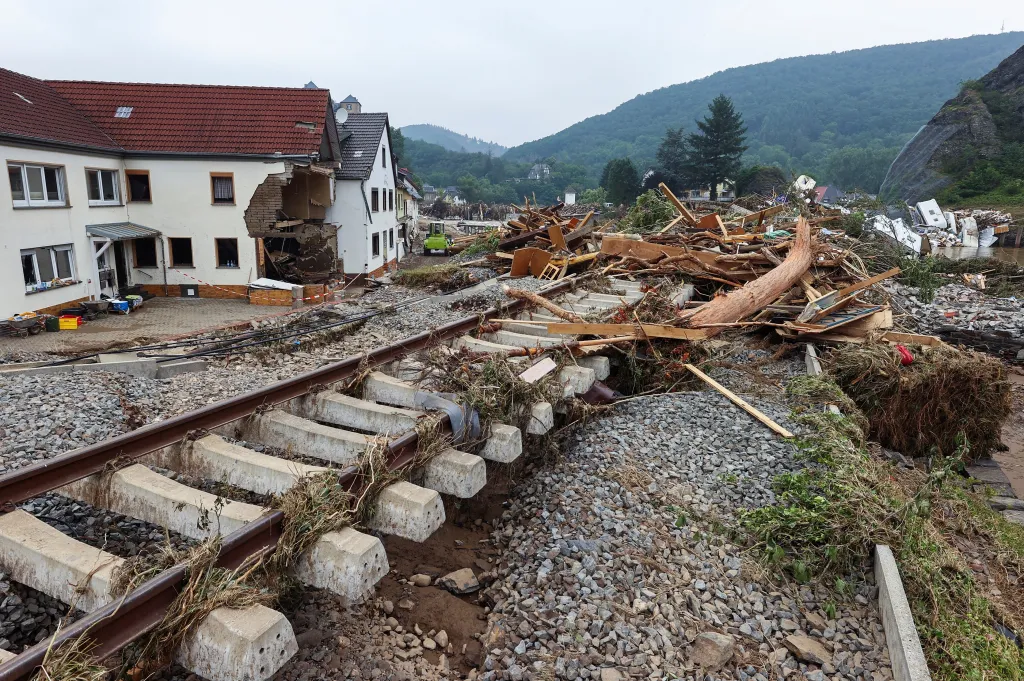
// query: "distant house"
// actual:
[[726, 192], [370, 239], [429, 194], [827, 194], [407, 206], [570, 196], [350, 104], [451, 195], [539, 171]]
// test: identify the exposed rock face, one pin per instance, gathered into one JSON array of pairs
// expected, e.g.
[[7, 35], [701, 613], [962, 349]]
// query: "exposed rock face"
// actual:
[[962, 132]]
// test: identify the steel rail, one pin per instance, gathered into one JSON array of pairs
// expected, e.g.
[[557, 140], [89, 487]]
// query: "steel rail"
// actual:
[[45, 476], [117, 624]]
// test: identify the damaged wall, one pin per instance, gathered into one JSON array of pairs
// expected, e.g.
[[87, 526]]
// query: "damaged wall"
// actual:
[[286, 212]]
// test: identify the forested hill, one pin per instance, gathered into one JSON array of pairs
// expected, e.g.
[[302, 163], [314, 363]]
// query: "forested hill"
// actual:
[[841, 116], [451, 140]]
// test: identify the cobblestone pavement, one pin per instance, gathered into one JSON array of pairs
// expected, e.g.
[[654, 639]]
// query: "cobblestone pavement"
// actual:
[[159, 318]]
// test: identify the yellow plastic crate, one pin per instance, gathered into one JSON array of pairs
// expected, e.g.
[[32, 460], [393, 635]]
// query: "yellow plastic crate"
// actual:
[[70, 323]]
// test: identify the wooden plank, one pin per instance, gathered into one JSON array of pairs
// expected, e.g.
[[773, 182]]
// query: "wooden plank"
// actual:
[[867, 282], [649, 330], [889, 337], [529, 261], [539, 370], [714, 221], [739, 401], [873, 322], [832, 309], [557, 238], [680, 206], [670, 225], [911, 338]]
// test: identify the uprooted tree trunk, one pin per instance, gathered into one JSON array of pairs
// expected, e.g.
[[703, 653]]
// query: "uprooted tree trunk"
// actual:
[[542, 302], [755, 295]]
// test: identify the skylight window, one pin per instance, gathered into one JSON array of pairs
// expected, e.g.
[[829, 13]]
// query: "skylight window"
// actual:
[[123, 111], [358, 154], [22, 97], [306, 125]]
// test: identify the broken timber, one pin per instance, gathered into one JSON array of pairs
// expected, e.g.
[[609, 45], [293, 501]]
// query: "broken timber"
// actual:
[[739, 401]]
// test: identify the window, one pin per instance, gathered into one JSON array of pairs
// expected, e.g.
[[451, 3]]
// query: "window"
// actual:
[[138, 185], [36, 186], [227, 252], [49, 264], [391, 199], [103, 189], [376, 244], [30, 269], [401, 232], [374, 201], [17, 183], [223, 188], [181, 252], [383, 157], [145, 252], [391, 238]]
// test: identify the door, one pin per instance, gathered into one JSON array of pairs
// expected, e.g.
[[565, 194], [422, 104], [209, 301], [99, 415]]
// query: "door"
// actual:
[[120, 267]]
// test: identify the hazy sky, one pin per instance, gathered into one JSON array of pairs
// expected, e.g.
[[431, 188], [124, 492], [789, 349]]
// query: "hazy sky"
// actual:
[[508, 71]]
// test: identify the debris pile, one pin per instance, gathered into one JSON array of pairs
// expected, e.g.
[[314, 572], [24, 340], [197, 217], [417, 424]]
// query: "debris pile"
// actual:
[[931, 228], [942, 402]]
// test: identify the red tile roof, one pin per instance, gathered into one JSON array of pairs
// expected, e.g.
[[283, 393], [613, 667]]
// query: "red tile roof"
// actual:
[[209, 119], [45, 115]]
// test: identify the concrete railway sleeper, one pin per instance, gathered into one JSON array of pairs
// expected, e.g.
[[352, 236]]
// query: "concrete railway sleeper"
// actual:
[[299, 415]]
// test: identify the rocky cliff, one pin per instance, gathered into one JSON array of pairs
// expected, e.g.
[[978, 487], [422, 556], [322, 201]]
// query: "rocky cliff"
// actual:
[[969, 128]]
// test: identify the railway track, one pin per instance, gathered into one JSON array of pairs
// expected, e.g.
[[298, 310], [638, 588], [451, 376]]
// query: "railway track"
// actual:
[[303, 415]]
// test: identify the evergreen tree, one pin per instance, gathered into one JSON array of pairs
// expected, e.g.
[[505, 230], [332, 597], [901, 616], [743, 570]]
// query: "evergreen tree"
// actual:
[[672, 157], [621, 181], [714, 152]]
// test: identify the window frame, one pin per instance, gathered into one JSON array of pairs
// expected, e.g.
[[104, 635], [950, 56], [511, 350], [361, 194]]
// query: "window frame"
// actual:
[[52, 252], [28, 201], [170, 251], [213, 181], [128, 187], [383, 156], [117, 187], [70, 248], [31, 252], [135, 254], [216, 253], [375, 245], [374, 200], [391, 200]]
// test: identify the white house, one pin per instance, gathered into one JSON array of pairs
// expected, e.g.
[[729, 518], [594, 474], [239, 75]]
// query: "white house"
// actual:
[[121, 187], [371, 240], [407, 206]]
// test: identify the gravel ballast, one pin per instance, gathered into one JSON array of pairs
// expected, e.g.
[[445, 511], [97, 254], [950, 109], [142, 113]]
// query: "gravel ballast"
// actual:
[[616, 563]]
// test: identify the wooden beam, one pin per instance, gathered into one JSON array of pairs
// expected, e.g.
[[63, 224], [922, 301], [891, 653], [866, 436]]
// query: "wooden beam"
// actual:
[[680, 206], [911, 338], [867, 282], [648, 330], [670, 225], [739, 401]]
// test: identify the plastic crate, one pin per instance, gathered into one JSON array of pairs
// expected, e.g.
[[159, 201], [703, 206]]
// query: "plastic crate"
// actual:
[[68, 322]]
